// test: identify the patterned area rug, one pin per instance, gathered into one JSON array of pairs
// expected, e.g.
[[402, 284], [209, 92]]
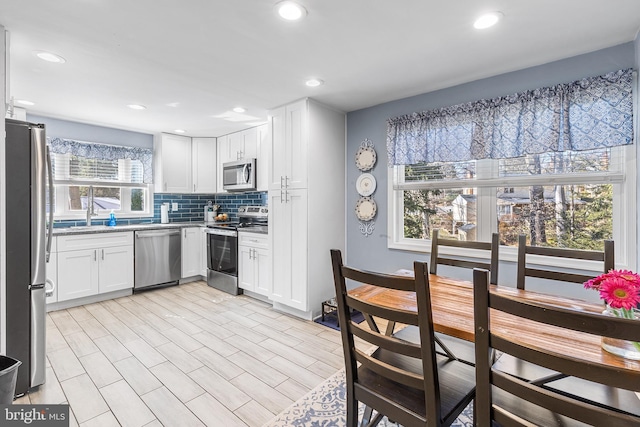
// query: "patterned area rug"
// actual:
[[324, 406]]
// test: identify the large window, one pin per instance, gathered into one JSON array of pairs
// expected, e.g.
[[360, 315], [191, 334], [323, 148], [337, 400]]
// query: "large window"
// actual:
[[556, 164], [116, 174], [568, 199]]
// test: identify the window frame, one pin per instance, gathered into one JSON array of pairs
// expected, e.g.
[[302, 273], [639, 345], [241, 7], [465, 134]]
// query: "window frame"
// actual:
[[623, 179], [61, 193]]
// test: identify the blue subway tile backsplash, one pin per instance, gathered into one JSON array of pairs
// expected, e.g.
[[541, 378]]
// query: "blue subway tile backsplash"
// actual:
[[190, 207]]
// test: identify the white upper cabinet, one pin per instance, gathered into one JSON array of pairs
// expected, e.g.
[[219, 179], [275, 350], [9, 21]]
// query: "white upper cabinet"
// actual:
[[288, 148], [204, 155], [223, 157], [247, 144], [242, 145], [183, 165], [262, 162], [172, 156]]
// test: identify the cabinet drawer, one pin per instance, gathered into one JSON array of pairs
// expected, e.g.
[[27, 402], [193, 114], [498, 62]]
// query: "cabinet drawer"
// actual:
[[255, 240], [97, 240]]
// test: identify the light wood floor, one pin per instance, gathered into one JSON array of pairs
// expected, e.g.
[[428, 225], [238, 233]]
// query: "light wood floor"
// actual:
[[182, 356]]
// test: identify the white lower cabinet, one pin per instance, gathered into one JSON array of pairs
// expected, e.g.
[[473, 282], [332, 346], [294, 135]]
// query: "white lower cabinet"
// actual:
[[289, 239], [92, 264], [254, 263], [191, 251]]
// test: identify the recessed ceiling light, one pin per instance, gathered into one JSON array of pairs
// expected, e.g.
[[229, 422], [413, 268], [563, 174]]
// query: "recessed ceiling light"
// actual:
[[239, 109], [24, 102], [291, 11], [179, 131], [487, 20], [50, 57], [314, 82], [137, 107]]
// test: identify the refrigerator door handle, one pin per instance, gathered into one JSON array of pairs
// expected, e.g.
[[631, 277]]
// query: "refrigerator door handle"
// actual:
[[38, 202], [51, 193]]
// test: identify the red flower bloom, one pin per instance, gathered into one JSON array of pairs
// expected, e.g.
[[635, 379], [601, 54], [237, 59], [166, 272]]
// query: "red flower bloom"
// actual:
[[619, 292]]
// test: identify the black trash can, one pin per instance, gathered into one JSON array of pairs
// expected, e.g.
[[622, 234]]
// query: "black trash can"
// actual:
[[8, 377]]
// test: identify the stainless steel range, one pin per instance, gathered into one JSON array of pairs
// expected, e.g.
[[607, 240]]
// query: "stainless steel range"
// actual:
[[222, 247]]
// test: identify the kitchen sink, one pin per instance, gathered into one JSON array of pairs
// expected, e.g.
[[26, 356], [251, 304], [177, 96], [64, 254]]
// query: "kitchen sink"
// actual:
[[88, 227]]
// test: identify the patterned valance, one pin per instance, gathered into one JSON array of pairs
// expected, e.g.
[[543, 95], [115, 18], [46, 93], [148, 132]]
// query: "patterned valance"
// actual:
[[590, 113], [92, 150]]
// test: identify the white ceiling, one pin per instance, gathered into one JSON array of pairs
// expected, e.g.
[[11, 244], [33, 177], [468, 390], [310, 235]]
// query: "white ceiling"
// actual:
[[189, 61]]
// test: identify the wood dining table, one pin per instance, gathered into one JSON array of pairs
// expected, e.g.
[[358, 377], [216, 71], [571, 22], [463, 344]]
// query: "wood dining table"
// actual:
[[452, 308]]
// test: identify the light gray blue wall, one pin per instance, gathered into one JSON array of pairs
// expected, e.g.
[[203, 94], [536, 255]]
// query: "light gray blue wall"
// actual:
[[371, 252], [57, 128]]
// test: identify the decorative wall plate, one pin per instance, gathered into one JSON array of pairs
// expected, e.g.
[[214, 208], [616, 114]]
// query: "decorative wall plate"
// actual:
[[366, 184], [365, 158], [366, 209]]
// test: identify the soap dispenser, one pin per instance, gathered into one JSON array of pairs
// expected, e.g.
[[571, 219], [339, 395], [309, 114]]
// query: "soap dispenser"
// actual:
[[112, 219]]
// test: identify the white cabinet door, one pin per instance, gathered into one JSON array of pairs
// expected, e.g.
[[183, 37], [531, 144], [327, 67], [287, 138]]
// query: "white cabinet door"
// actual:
[[222, 150], [288, 223], [250, 143], [278, 149], [52, 274], [262, 159], [263, 272], [175, 164], [191, 248], [296, 141], [77, 274], [115, 268], [288, 151], [246, 268], [235, 147], [203, 154]]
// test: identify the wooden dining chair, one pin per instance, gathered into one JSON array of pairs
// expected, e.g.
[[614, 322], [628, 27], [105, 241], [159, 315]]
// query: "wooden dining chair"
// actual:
[[487, 254], [525, 270], [407, 382], [520, 368], [504, 399]]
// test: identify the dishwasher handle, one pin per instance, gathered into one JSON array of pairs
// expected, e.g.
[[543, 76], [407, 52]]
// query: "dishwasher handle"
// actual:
[[156, 233]]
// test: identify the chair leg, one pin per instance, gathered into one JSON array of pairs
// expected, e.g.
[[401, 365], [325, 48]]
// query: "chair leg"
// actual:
[[352, 411], [366, 416]]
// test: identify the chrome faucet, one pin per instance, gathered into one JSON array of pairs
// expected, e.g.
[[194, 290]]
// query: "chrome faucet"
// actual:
[[90, 208]]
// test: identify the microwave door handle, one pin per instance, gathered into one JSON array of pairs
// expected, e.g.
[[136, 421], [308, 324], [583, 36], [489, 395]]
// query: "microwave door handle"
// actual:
[[246, 171]]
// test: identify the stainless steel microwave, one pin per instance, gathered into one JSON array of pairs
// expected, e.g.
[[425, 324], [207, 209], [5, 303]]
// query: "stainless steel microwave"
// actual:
[[239, 175]]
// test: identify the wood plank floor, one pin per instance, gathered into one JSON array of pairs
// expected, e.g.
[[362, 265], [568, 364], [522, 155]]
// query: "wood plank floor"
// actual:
[[187, 355]]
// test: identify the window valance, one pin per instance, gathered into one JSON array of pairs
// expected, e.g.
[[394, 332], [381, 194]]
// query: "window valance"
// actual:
[[594, 112], [90, 150]]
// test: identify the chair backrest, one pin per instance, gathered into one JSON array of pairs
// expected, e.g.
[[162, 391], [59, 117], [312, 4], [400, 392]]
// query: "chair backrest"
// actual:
[[490, 248], [405, 353], [508, 406], [607, 258]]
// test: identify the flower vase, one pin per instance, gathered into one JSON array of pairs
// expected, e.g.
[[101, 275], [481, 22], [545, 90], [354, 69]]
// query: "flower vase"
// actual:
[[626, 349]]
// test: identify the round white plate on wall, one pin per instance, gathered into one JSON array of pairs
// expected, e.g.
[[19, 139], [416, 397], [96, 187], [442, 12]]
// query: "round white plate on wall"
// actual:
[[366, 209], [366, 184], [365, 158]]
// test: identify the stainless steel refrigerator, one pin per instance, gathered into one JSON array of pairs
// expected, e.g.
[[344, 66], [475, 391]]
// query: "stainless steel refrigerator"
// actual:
[[28, 241]]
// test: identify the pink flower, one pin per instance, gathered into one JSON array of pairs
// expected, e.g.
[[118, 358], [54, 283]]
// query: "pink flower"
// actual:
[[629, 276], [619, 292]]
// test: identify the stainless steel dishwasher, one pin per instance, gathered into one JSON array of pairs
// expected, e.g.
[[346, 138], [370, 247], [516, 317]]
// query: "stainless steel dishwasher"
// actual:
[[158, 258]]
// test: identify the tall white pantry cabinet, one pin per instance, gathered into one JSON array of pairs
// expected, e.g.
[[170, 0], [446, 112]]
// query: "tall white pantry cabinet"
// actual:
[[306, 203]]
